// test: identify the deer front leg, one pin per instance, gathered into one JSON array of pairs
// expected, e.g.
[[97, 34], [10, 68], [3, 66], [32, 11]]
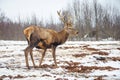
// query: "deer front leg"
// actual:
[[53, 54], [43, 54]]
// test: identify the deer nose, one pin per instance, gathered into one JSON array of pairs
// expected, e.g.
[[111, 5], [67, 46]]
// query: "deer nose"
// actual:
[[77, 32]]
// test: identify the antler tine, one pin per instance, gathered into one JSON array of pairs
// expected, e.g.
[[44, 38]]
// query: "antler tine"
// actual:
[[61, 17], [59, 12], [69, 19]]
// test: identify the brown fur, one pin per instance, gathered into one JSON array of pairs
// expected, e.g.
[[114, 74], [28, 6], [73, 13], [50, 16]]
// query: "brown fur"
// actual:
[[43, 38]]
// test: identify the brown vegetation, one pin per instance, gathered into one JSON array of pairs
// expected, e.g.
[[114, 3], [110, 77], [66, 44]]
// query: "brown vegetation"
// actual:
[[100, 53], [91, 49], [80, 55], [87, 69]]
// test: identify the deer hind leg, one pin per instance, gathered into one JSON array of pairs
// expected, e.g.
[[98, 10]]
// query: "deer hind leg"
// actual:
[[32, 43], [26, 51], [31, 54], [53, 54], [43, 54]]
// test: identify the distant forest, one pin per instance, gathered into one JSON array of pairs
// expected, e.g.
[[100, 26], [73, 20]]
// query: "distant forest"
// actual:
[[93, 21]]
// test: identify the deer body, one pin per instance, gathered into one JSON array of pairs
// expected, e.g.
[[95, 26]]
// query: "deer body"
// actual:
[[43, 38], [47, 37]]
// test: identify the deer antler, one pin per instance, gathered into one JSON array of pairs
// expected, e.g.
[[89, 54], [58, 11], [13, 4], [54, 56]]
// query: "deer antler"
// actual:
[[66, 19], [61, 16], [69, 19]]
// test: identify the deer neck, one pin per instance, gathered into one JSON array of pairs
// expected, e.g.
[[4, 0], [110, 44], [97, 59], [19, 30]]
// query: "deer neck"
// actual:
[[62, 36]]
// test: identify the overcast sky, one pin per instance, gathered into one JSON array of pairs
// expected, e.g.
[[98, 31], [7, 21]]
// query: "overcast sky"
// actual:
[[41, 8], [25, 8]]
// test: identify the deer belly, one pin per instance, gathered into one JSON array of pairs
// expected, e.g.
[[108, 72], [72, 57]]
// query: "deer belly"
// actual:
[[40, 45]]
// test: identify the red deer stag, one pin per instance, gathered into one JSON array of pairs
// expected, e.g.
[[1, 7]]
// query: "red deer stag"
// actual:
[[47, 38]]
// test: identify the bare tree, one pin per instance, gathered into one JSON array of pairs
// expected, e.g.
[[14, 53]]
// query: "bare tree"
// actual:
[[95, 5], [87, 13]]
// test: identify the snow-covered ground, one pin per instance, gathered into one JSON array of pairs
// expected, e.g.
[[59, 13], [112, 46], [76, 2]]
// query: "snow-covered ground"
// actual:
[[79, 60]]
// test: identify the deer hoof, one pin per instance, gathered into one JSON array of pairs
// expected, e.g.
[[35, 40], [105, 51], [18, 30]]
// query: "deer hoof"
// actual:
[[40, 66], [29, 68], [36, 67], [55, 66]]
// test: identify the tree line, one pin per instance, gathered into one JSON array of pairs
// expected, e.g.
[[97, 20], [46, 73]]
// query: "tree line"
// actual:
[[93, 21]]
